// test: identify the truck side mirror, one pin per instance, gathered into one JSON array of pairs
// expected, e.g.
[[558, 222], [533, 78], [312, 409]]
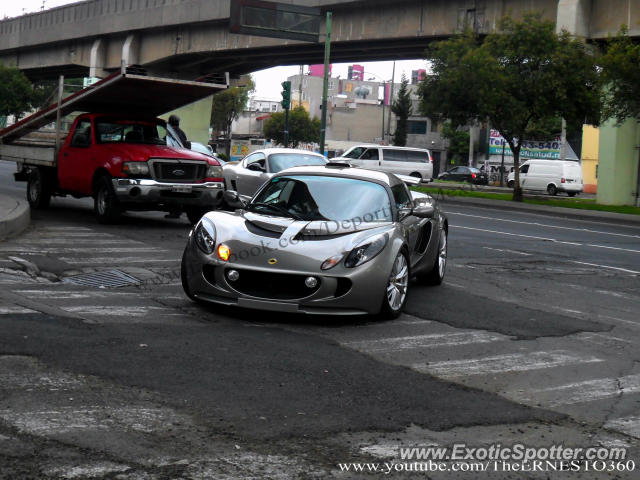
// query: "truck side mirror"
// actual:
[[232, 198]]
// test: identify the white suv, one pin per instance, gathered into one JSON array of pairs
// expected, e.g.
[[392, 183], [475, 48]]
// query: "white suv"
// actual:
[[416, 162]]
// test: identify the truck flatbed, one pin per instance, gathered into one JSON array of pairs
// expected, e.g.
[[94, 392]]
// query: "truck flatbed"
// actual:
[[123, 91]]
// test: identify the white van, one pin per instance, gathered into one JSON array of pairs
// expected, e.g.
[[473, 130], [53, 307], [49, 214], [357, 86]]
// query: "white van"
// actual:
[[416, 162], [551, 176]]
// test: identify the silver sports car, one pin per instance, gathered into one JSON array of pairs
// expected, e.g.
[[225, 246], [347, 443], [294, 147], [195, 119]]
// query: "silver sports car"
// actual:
[[247, 175], [332, 239]]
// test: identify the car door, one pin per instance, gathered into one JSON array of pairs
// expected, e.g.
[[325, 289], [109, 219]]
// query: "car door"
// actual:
[[410, 224], [370, 158], [251, 174], [524, 171], [75, 169], [394, 161]]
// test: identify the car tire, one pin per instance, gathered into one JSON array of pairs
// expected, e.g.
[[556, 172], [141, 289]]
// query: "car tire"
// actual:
[[511, 183], [183, 277], [571, 194], [398, 284], [552, 190], [195, 214], [105, 204], [38, 189], [435, 276]]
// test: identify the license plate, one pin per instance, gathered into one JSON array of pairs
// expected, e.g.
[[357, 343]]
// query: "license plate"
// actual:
[[181, 188]]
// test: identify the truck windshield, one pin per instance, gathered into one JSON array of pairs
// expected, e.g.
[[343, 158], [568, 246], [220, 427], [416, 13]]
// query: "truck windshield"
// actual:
[[127, 131]]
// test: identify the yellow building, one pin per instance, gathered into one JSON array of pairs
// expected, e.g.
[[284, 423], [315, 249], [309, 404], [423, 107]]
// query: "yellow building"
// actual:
[[590, 144]]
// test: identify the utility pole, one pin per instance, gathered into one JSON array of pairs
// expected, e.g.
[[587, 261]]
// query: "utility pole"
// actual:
[[325, 83]]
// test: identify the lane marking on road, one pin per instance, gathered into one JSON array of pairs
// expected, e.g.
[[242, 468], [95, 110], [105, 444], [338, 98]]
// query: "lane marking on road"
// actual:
[[116, 261], [73, 235], [118, 311], [546, 239], [508, 251], [621, 320], [582, 392], [67, 227], [606, 266], [516, 362], [15, 310], [612, 248], [436, 340], [70, 294], [66, 250], [52, 241], [602, 338], [628, 425], [544, 225], [601, 291]]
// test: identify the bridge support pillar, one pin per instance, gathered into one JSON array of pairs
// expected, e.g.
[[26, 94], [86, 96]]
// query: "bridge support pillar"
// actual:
[[573, 16], [98, 59], [618, 158], [131, 50]]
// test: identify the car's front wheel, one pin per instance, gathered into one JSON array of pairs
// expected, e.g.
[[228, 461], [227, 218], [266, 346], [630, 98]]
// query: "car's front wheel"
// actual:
[[397, 287], [436, 275]]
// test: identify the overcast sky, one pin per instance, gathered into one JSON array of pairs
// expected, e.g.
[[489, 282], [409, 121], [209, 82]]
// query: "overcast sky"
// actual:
[[267, 81]]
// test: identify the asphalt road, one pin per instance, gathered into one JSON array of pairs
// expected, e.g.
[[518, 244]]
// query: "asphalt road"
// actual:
[[532, 339]]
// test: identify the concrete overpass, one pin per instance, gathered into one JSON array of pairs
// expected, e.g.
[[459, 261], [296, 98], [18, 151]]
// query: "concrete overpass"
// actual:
[[192, 36]]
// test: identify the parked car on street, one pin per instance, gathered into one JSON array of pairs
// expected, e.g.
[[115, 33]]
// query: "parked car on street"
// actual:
[[416, 162], [248, 175], [465, 174], [551, 176], [318, 240]]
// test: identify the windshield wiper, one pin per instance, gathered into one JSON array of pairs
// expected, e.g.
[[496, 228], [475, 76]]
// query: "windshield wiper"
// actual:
[[276, 208]]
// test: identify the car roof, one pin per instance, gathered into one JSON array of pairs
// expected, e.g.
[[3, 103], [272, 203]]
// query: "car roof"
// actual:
[[386, 147], [272, 150], [344, 171]]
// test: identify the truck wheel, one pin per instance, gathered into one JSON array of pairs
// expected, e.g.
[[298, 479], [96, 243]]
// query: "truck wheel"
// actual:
[[38, 189], [510, 183], [195, 214], [105, 204]]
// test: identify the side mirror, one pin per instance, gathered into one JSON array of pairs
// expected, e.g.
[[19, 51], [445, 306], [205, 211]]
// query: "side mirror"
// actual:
[[423, 210], [256, 167], [232, 198]]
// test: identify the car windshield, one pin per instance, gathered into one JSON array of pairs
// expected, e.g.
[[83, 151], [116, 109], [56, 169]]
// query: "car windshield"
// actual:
[[282, 161], [110, 130], [317, 197]]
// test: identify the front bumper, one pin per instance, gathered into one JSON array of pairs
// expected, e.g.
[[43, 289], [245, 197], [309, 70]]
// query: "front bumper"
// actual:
[[356, 291], [147, 191]]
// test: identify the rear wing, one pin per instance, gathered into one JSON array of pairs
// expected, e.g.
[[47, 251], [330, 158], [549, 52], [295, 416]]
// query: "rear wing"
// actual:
[[128, 90]]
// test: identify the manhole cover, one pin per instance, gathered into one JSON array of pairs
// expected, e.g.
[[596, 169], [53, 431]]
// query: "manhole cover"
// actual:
[[110, 278]]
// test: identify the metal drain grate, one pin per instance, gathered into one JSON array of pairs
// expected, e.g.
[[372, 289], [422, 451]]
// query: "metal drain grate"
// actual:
[[108, 279]]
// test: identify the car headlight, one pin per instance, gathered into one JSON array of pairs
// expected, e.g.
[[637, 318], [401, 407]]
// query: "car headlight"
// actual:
[[366, 250], [135, 168], [205, 234], [214, 171]]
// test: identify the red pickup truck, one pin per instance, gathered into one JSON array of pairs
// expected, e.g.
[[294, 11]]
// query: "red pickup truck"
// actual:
[[124, 161], [127, 163]]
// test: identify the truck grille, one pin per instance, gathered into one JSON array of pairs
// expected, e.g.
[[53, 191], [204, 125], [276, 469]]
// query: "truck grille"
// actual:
[[176, 172]]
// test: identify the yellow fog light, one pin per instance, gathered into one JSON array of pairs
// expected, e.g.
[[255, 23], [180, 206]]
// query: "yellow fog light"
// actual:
[[223, 252]]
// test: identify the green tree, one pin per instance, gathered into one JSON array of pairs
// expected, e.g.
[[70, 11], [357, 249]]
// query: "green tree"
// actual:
[[227, 107], [302, 128], [520, 78], [16, 92], [401, 107], [458, 142], [621, 75]]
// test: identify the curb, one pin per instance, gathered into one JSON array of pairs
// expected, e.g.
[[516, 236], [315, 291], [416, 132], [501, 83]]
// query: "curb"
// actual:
[[15, 216], [611, 217]]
